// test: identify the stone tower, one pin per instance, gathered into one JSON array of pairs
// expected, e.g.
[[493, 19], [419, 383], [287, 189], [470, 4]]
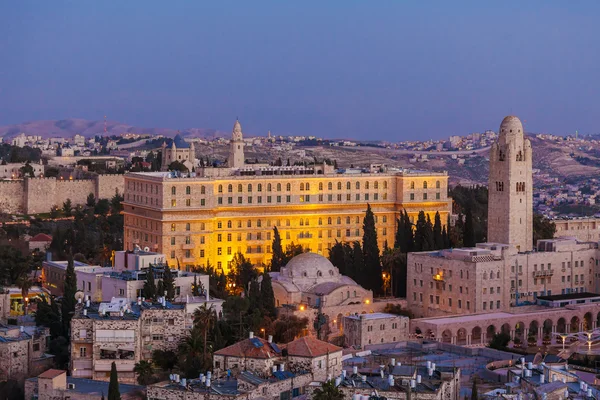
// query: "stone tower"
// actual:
[[510, 200], [236, 149]]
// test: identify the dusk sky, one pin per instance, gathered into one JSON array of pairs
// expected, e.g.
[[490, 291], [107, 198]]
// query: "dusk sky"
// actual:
[[392, 70]]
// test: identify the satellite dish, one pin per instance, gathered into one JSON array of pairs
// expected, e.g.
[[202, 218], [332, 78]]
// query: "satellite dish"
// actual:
[[79, 295], [146, 249]]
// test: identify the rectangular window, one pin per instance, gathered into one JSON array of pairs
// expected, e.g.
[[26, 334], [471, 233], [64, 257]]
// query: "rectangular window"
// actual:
[[412, 196]]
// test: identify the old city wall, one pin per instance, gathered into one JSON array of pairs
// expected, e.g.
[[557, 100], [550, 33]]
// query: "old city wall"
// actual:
[[38, 195], [11, 197]]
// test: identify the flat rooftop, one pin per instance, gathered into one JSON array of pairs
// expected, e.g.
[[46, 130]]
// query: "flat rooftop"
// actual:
[[372, 316]]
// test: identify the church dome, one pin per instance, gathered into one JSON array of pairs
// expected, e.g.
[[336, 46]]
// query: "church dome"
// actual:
[[511, 125], [311, 265]]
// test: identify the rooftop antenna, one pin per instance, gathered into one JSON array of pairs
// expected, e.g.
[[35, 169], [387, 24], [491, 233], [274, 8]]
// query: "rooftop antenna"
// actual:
[[105, 124]]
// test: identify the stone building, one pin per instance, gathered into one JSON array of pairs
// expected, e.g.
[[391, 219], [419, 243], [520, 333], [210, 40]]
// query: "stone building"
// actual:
[[510, 198], [214, 213], [253, 354], [13, 170], [180, 151], [365, 329], [54, 384], [236, 149], [23, 351], [498, 276], [125, 333], [583, 229], [309, 353], [309, 283], [124, 280]]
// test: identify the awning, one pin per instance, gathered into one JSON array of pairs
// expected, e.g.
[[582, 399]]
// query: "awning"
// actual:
[[108, 348], [127, 348]]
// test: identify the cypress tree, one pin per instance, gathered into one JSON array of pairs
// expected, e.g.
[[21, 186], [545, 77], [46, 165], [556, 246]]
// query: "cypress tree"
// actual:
[[469, 234], [348, 260], [371, 252], [150, 285], [400, 240], [445, 239], [267, 296], [68, 300], [113, 385], [420, 235], [474, 394], [409, 235], [337, 258], [438, 234], [168, 283], [449, 233], [358, 263], [278, 254], [429, 235], [254, 295]]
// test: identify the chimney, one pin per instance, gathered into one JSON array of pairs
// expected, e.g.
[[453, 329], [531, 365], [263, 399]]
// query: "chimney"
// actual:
[[251, 334], [270, 339]]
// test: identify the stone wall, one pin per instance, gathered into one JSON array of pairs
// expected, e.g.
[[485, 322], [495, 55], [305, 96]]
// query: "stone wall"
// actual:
[[17, 356], [11, 197], [38, 195]]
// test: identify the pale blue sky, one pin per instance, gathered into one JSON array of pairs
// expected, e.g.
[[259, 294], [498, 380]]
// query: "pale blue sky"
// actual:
[[391, 70]]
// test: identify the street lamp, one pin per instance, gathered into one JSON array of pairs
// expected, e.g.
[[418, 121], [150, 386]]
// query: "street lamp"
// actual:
[[263, 332]]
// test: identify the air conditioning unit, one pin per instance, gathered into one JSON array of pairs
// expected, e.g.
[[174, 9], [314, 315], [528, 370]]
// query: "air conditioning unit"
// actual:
[[71, 386]]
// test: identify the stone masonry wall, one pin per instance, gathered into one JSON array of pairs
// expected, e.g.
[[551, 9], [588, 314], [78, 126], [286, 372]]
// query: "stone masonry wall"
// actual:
[[11, 197]]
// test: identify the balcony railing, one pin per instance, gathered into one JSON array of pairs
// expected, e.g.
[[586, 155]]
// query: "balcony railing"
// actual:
[[122, 365], [188, 246], [543, 273], [84, 363], [115, 339]]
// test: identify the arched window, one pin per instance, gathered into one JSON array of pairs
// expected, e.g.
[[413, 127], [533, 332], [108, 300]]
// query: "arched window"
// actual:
[[301, 222], [249, 187], [412, 185], [268, 187], [259, 188], [306, 222], [202, 190], [279, 187], [249, 224], [329, 221], [202, 226], [339, 220], [229, 225], [288, 187], [376, 185], [230, 188], [437, 184], [330, 186], [320, 185], [339, 185], [319, 273], [367, 185], [357, 220], [385, 184], [302, 186], [220, 188], [424, 184], [239, 188], [307, 186], [173, 190], [492, 276], [348, 186], [357, 185], [287, 222], [188, 190], [187, 227], [259, 223], [347, 220]]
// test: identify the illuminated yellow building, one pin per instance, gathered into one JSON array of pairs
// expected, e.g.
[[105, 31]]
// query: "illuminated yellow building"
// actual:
[[216, 212]]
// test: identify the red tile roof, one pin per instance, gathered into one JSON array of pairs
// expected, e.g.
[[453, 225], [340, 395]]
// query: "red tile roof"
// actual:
[[52, 373], [309, 346], [41, 237], [247, 349]]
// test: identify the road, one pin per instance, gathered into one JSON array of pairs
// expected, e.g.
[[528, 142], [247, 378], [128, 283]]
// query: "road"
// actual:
[[417, 152]]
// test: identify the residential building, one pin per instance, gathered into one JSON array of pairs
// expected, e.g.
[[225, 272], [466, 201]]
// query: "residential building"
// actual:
[[54, 384], [361, 330], [214, 213], [23, 351]]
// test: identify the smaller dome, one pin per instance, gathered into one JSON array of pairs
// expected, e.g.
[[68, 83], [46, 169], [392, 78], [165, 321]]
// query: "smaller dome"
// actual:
[[311, 265], [511, 124], [237, 126]]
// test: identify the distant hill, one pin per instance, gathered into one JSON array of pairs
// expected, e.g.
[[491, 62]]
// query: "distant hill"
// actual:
[[87, 128]]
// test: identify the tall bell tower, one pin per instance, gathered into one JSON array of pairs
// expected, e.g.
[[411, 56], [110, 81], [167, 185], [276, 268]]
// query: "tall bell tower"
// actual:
[[236, 147], [510, 198]]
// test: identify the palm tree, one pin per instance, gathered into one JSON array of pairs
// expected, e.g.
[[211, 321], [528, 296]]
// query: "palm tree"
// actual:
[[191, 351], [25, 284], [328, 391], [203, 319], [144, 372]]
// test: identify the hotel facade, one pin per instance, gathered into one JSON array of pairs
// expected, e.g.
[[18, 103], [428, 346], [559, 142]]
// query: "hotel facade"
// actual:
[[214, 213]]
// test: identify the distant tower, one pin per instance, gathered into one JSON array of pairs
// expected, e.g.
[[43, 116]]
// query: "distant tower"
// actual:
[[105, 124], [510, 200], [236, 149]]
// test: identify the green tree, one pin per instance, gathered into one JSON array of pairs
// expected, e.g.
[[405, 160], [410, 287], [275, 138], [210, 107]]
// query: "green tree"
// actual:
[[164, 359], [291, 251], [13, 265], [438, 234], [235, 308], [102, 207], [499, 341], [48, 315], [399, 239], [254, 294], [242, 271], [288, 327], [371, 252], [278, 257], [543, 228], [474, 395], [267, 296], [168, 283], [144, 372], [24, 283], [191, 361], [68, 300], [149, 288], [328, 391], [113, 385], [91, 200], [178, 166], [357, 258], [204, 318], [421, 233], [27, 170], [116, 203], [469, 230], [409, 235], [67, 207]]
